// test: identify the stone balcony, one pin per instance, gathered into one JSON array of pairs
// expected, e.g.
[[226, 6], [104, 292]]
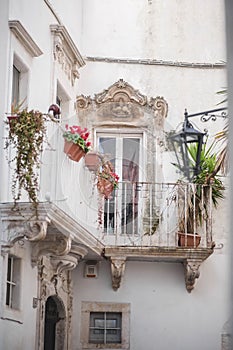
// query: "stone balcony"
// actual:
[[140, 222]]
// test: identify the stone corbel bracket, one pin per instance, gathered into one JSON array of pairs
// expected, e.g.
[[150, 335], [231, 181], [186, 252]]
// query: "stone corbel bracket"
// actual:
[[70, 261], [117, 271], [191, 270], [30, 230], [55, 244]]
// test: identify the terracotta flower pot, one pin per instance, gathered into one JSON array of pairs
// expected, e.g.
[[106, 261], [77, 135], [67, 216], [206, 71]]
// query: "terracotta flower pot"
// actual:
[[188, 240], [92, 161], [73, 151], [105, 187]]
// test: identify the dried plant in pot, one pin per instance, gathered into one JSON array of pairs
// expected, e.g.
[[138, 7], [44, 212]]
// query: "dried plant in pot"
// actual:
[[27, 134]]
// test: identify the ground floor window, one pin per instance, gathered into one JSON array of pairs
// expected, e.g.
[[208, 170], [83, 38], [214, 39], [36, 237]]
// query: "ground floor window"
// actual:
[[13, 282], [105, 327], [105, 324]]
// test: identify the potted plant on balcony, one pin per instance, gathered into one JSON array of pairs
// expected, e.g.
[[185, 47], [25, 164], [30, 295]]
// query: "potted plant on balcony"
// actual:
[[107, 179], [27, 134], [206, 184], [76, 144]]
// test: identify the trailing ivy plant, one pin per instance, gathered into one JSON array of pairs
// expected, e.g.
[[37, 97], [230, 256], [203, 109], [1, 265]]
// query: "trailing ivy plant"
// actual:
[[27, 133]]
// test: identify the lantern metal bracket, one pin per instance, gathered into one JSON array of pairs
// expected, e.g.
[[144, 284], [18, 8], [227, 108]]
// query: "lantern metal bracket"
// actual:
[[209, 115]]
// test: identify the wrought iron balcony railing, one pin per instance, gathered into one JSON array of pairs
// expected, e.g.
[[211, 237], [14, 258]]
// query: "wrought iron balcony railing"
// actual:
[[153, 214]]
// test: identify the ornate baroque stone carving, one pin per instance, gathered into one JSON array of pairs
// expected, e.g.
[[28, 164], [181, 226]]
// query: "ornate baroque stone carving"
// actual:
[[121, 91], [54, 244], [31, 230], [66, 53], [191, 273], [117, 270], [83, 101], [158, 104], [121, 101]]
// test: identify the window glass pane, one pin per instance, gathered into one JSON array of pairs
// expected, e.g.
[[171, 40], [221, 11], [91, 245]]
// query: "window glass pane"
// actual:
[[8, 294], [9, 267], [130, 159], [96, 336], [98, 323], [107, 145], [95, 316], [15, 86], [13, 282], [105, 327], [113, 336]]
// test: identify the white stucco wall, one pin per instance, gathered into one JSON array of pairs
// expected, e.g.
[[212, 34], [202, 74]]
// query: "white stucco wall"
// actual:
[[163, 314], [175, 30]]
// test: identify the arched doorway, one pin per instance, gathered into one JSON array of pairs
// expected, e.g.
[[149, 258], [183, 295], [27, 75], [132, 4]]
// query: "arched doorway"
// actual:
[[54, 327]]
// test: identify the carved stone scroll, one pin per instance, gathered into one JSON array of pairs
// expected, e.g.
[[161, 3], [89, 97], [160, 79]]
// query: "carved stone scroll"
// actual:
[[30, 230], [64, 263], [117, 270], [159, 105], [54, 244], [191, 272], [83, 101]]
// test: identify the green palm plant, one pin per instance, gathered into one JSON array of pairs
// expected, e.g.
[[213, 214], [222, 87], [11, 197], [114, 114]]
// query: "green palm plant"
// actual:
[[221, 137], [209, 171], [207, 186]]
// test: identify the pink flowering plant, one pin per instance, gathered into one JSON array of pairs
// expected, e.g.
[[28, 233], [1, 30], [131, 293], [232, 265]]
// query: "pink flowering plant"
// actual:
[[78, 136]]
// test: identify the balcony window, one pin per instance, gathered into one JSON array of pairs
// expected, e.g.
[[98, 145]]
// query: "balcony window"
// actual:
[[124, 152]]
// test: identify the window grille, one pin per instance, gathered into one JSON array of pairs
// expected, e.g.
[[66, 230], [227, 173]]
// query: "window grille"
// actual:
[[105, 327]]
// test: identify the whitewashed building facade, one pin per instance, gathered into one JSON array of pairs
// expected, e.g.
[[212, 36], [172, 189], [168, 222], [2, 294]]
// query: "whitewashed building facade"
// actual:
[[87, 272]]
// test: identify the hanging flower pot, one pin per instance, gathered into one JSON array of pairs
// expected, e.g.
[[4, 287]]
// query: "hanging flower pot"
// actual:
[[105, 187], [76, 145], [107, 180], [92, 161], [73, 151]]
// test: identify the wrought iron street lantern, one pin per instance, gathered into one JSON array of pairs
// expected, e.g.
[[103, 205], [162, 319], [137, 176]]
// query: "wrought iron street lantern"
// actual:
[[188, 135]]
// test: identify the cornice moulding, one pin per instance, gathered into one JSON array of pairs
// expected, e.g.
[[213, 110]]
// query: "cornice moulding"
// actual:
[[61, 31], [24, 38]]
